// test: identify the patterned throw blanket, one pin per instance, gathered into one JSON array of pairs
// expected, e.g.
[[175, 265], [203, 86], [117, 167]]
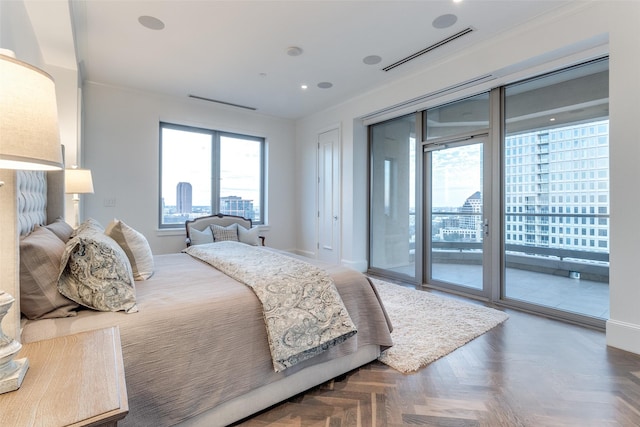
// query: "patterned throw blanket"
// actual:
[[303, 311]]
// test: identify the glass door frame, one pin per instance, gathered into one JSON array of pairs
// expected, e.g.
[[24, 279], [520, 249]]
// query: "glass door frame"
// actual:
[[476, 137]]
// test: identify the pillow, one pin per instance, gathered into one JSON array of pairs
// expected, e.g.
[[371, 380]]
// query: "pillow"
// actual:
[[40, 256], [96, 273], [135, 245], [200, 237], [89, 224], [221, 234], [248, 236], [61, 229]]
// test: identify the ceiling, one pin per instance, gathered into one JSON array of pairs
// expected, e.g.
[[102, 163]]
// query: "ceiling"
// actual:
[[236, 52]]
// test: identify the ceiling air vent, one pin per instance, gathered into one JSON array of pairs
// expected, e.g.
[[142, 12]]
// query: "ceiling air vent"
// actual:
[[222, 102], [428, 49]]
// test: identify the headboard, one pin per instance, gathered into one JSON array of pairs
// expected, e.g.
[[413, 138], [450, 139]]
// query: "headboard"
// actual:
[[40, 198]]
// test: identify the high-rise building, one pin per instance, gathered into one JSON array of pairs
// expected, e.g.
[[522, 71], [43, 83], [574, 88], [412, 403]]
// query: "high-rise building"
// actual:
[[557, 187], [464, 227], [183, 198], [234, 205]]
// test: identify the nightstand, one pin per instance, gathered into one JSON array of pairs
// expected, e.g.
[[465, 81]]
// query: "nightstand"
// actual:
[[75, 380]]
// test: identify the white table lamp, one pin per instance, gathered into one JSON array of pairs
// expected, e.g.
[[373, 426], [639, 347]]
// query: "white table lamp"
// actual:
[[77, 181]]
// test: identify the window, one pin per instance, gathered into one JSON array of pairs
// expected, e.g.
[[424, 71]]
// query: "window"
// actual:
[[204, 172]]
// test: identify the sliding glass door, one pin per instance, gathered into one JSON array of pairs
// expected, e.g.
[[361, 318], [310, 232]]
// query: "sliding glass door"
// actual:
[[513, 195], [392, 241]]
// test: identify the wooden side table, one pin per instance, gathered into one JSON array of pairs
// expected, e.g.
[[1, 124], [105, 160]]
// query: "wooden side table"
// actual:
[[75, 380]]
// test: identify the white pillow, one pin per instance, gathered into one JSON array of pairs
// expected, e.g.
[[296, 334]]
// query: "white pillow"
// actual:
[[200, 237], [248, 236], [135, 245]]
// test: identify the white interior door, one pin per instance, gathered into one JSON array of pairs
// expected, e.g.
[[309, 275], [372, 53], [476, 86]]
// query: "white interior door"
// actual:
[[329, 196]]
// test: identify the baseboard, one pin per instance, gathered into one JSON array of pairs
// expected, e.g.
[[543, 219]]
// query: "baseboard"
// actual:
[[622, 335], [360, 266], [308, 254]]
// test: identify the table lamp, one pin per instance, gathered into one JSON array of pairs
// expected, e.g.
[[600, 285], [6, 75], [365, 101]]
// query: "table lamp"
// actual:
[[77, 181]]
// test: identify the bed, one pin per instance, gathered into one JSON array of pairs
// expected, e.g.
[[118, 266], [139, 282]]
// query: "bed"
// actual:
[[195, 347]]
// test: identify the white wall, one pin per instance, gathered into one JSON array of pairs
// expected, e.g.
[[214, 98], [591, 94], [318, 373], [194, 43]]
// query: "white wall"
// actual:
[[16, 33], [580, 33], [67, 97], [623, 328], [121, 147]]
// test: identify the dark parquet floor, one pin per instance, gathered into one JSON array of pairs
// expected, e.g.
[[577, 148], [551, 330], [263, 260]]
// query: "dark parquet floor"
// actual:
[[529, 371]]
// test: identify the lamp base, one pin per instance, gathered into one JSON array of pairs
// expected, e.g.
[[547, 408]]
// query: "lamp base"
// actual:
[[76, 210], [14, 381]]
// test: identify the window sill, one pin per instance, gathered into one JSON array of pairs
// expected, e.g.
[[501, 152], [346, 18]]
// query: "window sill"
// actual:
[[161, 232]]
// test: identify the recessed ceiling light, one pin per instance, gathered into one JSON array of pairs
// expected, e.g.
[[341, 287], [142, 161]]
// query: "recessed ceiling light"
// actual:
[[371, 59], [444, 21], [303, 87], [552, 119], [294, 51], [325, 85], [151, 23]]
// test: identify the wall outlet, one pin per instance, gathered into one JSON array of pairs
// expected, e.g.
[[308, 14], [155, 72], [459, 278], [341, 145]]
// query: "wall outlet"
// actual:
[[110, 203]]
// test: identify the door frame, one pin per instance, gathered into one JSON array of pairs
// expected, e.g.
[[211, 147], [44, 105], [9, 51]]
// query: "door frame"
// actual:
[[488, 263], [337, 190]]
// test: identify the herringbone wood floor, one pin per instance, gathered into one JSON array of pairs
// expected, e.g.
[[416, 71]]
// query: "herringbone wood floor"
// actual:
[[529, 371]]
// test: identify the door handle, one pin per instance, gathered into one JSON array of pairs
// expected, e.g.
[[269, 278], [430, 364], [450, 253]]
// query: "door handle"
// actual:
[[486, 227]]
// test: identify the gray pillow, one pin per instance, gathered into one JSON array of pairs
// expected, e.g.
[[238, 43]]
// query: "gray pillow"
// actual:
[[61, 229], [96, 273], [221, 234], [40, 257]]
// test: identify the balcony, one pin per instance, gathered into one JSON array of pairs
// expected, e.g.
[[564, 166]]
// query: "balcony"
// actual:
[[567, 280]]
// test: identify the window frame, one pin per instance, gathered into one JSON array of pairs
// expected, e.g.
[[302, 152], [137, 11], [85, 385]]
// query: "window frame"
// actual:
[[215, 136]]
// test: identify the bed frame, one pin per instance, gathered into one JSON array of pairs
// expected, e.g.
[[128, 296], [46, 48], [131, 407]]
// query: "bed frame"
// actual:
[[32, 187], [222, 220]]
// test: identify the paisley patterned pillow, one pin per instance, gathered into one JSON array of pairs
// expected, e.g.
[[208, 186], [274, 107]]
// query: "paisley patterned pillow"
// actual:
[[96, 273], [89, 224]]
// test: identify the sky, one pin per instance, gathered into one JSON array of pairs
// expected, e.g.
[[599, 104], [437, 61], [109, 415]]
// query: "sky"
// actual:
[[186, 157], [456, 174]]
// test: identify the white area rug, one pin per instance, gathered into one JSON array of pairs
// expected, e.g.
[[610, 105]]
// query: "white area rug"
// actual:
[[427, 326]]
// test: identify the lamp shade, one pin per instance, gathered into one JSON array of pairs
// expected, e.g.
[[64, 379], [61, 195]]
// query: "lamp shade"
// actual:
[[78, 181], [29, 133]]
